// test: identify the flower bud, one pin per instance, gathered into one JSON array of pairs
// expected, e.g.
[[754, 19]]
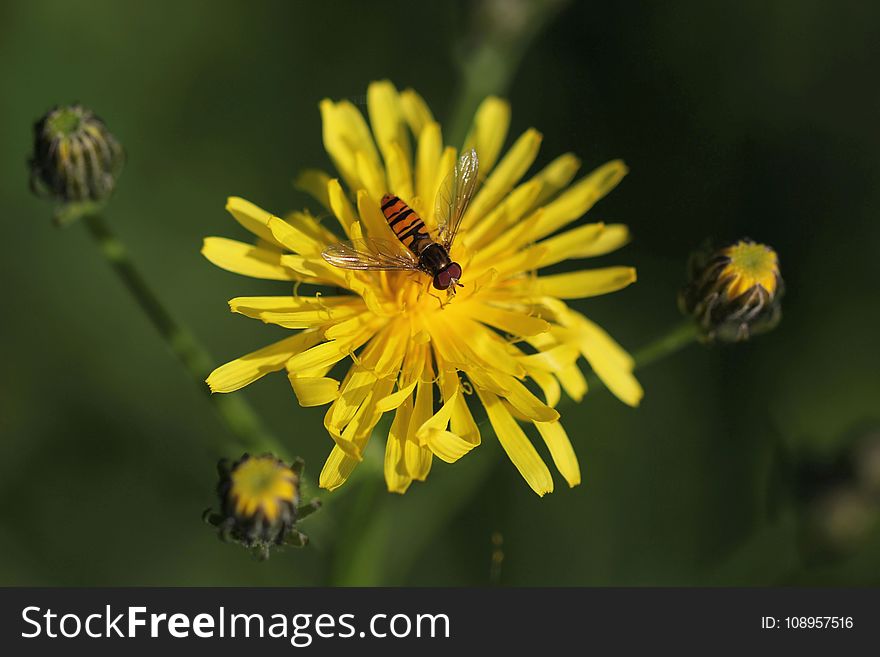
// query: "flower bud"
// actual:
[[733, 293], [259, 503], [75, 157]]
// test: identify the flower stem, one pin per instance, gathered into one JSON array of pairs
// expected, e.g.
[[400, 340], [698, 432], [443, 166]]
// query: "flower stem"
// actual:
[[242, 421], [502, 33], [677, 338]]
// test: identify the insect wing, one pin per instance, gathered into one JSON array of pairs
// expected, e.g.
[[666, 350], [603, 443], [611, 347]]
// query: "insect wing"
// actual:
[[454, 195], [369, 254]]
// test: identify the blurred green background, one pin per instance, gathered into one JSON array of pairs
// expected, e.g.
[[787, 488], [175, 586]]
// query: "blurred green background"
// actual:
[[746, 465]]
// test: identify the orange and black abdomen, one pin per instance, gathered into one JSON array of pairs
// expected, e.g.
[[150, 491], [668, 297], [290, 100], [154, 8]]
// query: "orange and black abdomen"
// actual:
[[406, 224]]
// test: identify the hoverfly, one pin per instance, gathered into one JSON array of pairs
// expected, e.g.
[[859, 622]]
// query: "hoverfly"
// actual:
[[423, 252]]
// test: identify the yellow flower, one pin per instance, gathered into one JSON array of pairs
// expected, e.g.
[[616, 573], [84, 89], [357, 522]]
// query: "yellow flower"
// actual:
[[506, 333]]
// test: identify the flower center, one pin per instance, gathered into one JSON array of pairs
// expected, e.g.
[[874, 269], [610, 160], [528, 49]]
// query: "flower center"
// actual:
[[64, 122], [750, 264], [260, 484]]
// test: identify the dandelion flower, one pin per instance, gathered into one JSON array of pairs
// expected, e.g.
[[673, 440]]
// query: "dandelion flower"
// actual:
[[506, 339]]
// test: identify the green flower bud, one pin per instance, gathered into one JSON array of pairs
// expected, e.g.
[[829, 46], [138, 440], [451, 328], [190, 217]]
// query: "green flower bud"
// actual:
[[259, 503], [733, 293], [75, 159]]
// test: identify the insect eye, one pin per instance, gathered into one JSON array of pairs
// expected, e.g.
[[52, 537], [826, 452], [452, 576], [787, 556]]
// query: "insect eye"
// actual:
[[442, 279], [454, 271]]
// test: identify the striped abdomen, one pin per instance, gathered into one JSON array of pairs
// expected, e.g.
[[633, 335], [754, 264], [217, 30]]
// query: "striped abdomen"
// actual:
[[406, 224]]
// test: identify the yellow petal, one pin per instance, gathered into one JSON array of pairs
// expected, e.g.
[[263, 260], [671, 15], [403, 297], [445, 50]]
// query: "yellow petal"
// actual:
[[556, 176], [439, 421], [514, 323], [291, 237], [586, 283], [585, 241], [314, 269], [359, 382], [611, 363], [348, 327], [521, 261], [590, 335], [252, 306], [522, 399], [508, 172], [354, 437], [386, 117], [444, 169], [432, 434], [372, 175], [416, 111], [330, 352], [314, 183], [247, 369], [311, 226], [246, 259], [352, 393], [346, 133], [298, 312], [390, 358], [337, 469], [573, 382], [518, 447], [251, 217], [397, 477], [553, 359], [446, 445], [397, 398], [488, 132], [418, 458], [374, 221], [430, 148], [561, 451], [491, 235], [465, 343], [341, 206], [580, 197], [314, 391], [461, 422], [410, 374], [549, 386], [400, 180]]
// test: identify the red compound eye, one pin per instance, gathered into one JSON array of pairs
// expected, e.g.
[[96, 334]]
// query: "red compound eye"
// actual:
[[444, 278]]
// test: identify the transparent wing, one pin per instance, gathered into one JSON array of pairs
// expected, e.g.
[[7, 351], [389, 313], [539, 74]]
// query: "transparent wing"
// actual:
[[454, 195], [369, 254]]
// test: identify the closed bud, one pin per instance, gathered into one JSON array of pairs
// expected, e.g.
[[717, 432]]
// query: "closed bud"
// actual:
[[733, 293], [259, 503], [76, 159]]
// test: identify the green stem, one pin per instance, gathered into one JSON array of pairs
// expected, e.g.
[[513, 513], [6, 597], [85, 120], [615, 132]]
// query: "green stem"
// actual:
[[504, 34], [236, 413], [666, 345]]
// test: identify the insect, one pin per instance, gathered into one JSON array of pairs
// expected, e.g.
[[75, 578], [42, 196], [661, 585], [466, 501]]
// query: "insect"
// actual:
[[423, 252]]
